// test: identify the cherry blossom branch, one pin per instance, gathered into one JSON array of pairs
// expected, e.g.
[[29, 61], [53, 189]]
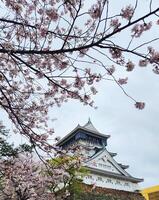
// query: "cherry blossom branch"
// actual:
[[48, 78], [58, 51]]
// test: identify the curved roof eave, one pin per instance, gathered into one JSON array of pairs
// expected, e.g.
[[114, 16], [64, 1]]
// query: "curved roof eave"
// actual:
[[78, 127]]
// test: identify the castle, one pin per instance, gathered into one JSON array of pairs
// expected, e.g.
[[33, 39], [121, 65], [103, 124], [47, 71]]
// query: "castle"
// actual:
[[104, 171]]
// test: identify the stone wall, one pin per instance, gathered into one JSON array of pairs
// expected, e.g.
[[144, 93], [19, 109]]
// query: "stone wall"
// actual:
[[87, 193]]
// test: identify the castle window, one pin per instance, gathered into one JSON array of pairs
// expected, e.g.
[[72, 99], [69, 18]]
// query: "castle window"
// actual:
[[109, 180], [99, 178], [126, 184], [90, 177], [118, 183]]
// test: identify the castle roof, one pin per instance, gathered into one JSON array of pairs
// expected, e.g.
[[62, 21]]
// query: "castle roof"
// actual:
[[88, 128]]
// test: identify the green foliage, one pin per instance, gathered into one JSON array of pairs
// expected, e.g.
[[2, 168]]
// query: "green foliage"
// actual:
[[72, 166], [25, 148], [1, 181], [71, 163], [7, 149]]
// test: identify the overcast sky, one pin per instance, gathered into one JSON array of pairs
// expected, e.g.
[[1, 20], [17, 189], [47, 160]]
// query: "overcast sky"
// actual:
[[134, 133]]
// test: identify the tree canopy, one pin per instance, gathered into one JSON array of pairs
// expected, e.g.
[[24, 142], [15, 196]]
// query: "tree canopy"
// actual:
[[47, 53]]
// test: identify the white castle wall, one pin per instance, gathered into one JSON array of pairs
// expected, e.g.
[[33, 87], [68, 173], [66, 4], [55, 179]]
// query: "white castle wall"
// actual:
[[112, 183]]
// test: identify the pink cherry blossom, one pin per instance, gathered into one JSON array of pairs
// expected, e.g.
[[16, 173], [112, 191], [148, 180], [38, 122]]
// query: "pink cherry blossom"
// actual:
[[140, 105], [138, 29], [115, 53], [156, 70], [129, 66], [53, 51], [127, 12], [52, 13], [93, 90], [115, 23], [123, 81], [95, 11], [111, 70], [143, 63]]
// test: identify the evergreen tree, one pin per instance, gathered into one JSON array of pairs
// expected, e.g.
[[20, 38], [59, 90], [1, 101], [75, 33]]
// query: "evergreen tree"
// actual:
[[7, 149]]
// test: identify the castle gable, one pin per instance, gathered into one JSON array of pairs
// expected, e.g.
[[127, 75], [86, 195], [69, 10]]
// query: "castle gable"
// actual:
[[105, 162]]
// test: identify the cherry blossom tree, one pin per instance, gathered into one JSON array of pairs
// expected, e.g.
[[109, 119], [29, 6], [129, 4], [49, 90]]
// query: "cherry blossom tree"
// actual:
[[55, 50], [23, 178]]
